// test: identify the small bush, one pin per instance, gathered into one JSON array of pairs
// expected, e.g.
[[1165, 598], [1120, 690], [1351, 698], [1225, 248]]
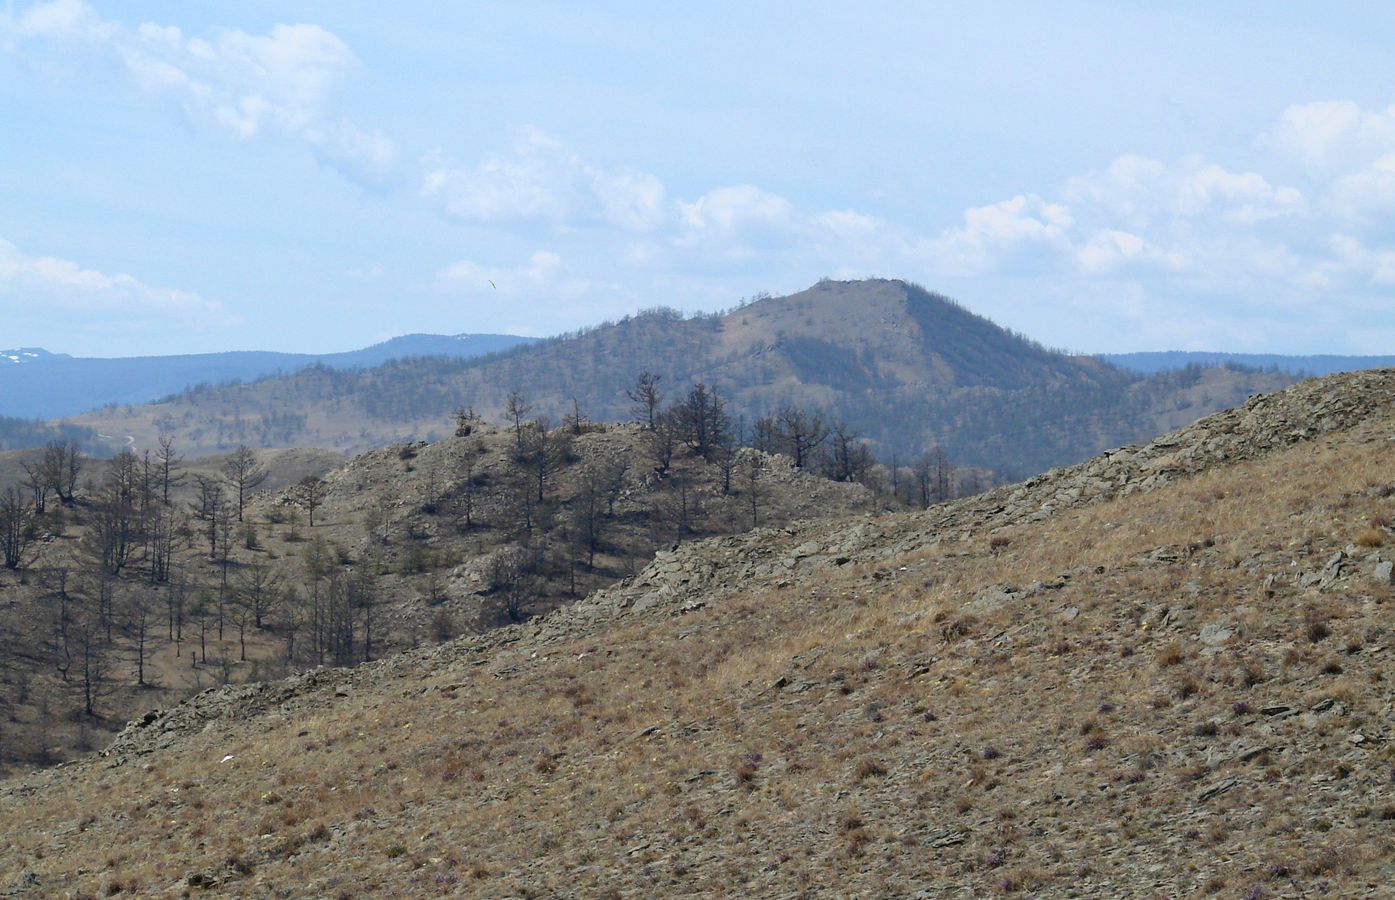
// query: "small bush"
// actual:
[[1370, 537], [1315, 625], [870, 768]]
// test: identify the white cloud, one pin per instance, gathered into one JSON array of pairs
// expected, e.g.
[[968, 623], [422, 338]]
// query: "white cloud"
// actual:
[[30, 283], [1372, 266], [1332, 134], [279, 83], [1367, 191], [1137, 191], [729, 209], [531, 289], [994, 234], [543, 180], [63, 20], [1110, 250]]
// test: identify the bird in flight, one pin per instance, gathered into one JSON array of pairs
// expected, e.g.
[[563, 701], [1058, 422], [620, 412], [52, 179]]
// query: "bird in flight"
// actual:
[[492, 284]]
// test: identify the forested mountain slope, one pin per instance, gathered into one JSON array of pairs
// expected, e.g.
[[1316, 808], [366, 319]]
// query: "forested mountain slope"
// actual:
[[906, 368]]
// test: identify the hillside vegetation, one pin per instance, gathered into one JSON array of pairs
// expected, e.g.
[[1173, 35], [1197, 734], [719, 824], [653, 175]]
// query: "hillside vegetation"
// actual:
[[130, 588], [906, 368], [1164, 672]]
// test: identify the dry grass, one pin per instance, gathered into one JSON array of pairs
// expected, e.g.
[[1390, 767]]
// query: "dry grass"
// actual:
[[847, 732]]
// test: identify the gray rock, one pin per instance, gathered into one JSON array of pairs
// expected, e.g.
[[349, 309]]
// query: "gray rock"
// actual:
[[1216, 633]]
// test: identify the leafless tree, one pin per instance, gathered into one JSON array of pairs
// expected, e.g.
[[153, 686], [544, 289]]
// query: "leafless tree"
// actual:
[[517, 408], [245, 475], [207, 504], [802, 433], [167, 459], [37, 483], [310, 495], [61, 463], [16, 527], [646, 397]]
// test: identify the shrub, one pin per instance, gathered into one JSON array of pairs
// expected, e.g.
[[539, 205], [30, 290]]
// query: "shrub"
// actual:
[[1370, 537], [870, 768]]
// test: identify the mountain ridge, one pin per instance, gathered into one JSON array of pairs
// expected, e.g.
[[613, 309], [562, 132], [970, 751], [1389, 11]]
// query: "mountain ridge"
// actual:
[[1152, 362], [907, 368], [43, 385]]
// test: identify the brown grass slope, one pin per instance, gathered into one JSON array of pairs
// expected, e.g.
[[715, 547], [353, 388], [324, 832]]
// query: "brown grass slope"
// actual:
[[392, 521], [906, 367], [1162, 673]]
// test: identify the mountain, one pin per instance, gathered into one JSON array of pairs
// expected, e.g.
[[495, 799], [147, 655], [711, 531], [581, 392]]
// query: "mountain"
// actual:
[[1171, 360], [1163, 672], [39, 384], [903, 366], [25, 355]]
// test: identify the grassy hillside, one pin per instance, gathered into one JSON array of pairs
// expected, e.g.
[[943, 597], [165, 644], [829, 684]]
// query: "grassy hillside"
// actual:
[[1163, 672], [405, 546], [907, 368]]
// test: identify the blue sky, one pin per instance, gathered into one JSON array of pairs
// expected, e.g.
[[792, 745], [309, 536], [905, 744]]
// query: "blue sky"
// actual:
[[316, 176]]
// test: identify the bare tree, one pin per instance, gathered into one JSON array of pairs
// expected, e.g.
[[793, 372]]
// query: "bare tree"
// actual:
[[167, 459], [16, 527], [848, 458], [244, 473], [465, 491], [206, 506], [138, 612], [574, 421], [37, 483], [61, 463], [542, 454], [646, 397], [662, 441], [517, 409], [116, 524], [586, 514], [259, 589], [702, 420], [802, 433], [310, 495]]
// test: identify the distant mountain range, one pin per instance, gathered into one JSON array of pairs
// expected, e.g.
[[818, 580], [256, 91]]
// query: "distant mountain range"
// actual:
[[1171, 360], [905, 367], [35, 383]]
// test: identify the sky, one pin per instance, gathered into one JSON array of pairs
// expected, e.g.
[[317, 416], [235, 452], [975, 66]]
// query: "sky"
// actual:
[[186, 176]]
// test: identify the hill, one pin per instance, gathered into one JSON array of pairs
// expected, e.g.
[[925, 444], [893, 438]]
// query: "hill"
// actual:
[[1171, 360], [43, 385], [906, 368], [1162, 672], [119, 599]]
